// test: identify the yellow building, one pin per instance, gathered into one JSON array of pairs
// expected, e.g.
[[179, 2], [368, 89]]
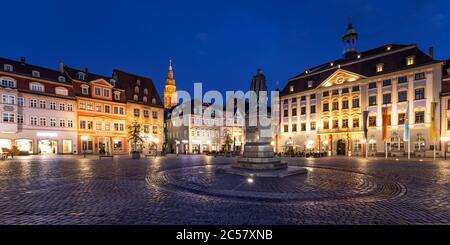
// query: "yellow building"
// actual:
[[143, 106], [170, 90]]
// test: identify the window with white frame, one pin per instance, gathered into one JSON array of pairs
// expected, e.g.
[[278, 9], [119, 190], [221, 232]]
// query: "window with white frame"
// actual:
[[8, 83], [19, 118], [117, 95], [85, 89], [33, 103], [35, 73], [62, 123], [69, 107], [62, 79], [36, 87], [52, 122], [62, 106], [20, 101], [7, 67], [8, 117], [42, 104], [70, 123], [53, 105], [43, 121], [8, 99], [106, 92], [97, 91], [33, 121], [61, 91], [81, 76]]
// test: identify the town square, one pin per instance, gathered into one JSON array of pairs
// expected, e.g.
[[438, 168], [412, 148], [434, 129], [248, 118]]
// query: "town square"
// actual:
[[189, 189], [225, 113]]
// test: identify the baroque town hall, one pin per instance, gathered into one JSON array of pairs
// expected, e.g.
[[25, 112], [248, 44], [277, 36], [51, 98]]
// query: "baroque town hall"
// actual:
[[322, 108]]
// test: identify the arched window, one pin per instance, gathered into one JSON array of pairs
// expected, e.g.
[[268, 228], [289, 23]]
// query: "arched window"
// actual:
[[136, 89], [138, 82], [153, 101], [145, 91], [144, 99], [396, 143], [135, 97]]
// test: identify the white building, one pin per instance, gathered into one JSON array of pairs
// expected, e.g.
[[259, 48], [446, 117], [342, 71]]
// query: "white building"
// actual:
[[322, 108], [38, 109]]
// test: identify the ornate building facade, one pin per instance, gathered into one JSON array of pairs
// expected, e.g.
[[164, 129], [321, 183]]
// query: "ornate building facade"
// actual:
[[170, 90], [72, 111], [38, 109], [144, 106], [322, 108]]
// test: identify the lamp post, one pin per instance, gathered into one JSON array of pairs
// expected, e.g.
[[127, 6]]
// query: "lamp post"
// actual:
[[445, 139]]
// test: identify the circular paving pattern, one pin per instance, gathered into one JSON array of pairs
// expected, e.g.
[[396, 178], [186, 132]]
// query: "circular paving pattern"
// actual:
[[319, 184]]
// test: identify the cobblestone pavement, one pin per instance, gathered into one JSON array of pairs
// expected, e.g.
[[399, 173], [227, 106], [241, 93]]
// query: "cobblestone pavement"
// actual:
[[193, 190]]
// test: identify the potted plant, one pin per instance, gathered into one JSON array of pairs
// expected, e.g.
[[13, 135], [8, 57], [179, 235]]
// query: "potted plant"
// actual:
[[134, 136]]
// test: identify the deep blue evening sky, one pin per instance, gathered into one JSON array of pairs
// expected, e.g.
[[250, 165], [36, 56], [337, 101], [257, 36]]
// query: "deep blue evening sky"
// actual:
[[219, 43]]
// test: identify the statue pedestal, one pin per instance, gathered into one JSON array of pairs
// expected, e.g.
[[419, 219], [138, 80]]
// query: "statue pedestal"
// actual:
[[259, 156]]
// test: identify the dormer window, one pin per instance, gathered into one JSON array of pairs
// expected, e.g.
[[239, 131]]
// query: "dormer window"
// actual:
[[153, 101], [310, 83], [138, 82], [144, 99], [61, 91], [380, 67], [291, 88], [112, 82], [81, 76], [136, 90], [410, 60], [117, 95], [35, 74], [388, 48], [448, 71], [145, 91], [62, 79], [85, 89], [37, 87], [7, 67], [135, 97]]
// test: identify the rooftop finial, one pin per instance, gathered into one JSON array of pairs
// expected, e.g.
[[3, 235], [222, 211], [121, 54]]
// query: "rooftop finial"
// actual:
[[350, 24], [170, 63]]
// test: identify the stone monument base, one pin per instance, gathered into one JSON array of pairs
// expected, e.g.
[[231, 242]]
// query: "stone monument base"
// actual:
[[259, 160]]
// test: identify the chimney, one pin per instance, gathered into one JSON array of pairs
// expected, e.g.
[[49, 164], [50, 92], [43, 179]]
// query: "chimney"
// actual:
[[431, 52], [22, 60], [61, 66]]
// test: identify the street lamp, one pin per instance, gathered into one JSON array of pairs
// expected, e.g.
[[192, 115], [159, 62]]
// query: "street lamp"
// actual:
[[445, 139]]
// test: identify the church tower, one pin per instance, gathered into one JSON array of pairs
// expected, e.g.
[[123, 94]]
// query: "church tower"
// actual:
[[170, 90], [349, 39]]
